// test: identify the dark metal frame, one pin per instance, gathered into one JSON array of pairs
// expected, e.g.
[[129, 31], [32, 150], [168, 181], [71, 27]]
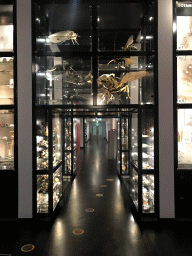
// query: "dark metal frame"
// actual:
[[117, 110]]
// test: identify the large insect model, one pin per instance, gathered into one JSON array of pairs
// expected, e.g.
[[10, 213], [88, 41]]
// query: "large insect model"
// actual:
[[62, 36], [129, 45]]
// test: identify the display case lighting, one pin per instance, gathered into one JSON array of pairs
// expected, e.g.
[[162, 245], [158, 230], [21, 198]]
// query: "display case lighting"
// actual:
[[40, 74], [40, 40], [149, 37]]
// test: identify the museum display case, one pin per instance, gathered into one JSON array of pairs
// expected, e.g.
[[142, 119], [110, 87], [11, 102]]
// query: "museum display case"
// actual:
[[49, 168], [8, 109], [100, 62], [184, 139], [118, 146], [6, 139], [7, 89], [182, 56], [125, 80], [134, 139], [42, 140], [61, 80], [148, 139], [134, 187], [6, 81], [6, 28], [148, 193]]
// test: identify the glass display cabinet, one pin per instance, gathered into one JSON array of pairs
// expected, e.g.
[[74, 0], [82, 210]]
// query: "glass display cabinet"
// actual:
[[182, 25], [49, 170], [8, 108], [148, 198], [118, 146], [97, 59], [7, 139], [134, 187]]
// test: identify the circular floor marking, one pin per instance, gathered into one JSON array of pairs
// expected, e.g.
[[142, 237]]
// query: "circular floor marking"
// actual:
[[89, 210], [27, 248], [99, 195], [78, 231], [109, 179], [103, 186]]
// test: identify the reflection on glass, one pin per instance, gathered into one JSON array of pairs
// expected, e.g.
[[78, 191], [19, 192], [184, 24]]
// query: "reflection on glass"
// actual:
[[184, 138], [6, 81], [125, 164], [6, 139], [62, 80], [42, 193], [124, 134], [115, 29], [134, 187], [147, 139], [68, 167], [68, 26], [57, 187], [6, 28], [148, 193], [57, 143], [134, 138], [67, 134], [118, 146], [42, 141], [184, 79]]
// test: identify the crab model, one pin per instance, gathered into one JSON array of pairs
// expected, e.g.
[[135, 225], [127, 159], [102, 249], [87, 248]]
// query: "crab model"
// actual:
[[62, 36], [112, 85]]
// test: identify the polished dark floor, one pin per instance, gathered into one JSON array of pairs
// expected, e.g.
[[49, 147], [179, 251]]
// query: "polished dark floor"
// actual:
[[109, 230]]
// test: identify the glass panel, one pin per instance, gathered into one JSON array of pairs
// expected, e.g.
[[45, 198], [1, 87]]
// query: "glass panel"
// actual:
[[64, 81], [6, 28], [184, 79], [184, 26], [125, 80], [118, 145], [57, 187], [76, 140], [6, 139], [67, 134], [57, 140], [184, 137], [134, 138], [125, 163], [134, 187], [148, 193], [63, 27], [42, 140], [42, 193], [68, 163], [124, 133], [120, 26], [147, 139], [6, 81]]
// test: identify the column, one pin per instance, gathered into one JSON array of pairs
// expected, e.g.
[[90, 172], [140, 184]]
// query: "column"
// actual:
[[165, 78], [24, 76]]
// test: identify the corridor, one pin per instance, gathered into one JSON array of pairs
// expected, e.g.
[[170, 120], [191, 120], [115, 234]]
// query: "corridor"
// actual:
[[99, 208]]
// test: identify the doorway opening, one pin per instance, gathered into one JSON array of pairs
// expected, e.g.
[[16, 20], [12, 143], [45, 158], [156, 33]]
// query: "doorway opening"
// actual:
[[112, 130]]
